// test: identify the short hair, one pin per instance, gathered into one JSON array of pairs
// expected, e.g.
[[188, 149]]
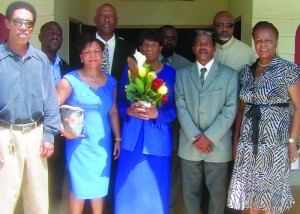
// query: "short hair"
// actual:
[[222, 12], [49, 23], [167, 26], [88, 41], [152, 35], [265, 25], [20, 5], [107, 5]]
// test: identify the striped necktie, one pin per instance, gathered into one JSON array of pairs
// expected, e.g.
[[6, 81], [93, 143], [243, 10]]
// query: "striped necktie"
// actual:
[[105, 60], [202, 70]]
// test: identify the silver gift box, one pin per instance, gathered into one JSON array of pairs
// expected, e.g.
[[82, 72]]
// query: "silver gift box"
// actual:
[[72, 119]]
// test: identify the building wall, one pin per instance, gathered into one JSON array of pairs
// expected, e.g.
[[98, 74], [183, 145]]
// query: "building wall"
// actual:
[[61, 16], [45, 13], [243, 9], [285, 16], [143, 13]]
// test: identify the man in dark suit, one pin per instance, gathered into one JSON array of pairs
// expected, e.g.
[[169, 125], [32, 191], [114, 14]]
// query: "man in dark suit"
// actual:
[[206, 94], [51, 40], [106, 20]]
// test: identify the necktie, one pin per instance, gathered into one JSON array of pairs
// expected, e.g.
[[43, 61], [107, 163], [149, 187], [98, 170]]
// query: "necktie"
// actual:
[[202, 70], [105, 60]]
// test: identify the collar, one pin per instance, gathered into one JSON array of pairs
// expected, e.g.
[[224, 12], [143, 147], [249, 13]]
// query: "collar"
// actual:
[[227, 44], [111, 42], [207, 66], [6, 51], [57, 61], [170, 58]]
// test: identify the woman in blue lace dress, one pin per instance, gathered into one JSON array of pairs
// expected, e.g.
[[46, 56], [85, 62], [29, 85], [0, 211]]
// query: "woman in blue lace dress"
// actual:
[[143, 173], [89, 157]]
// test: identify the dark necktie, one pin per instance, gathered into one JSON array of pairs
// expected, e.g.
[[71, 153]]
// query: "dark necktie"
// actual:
[[105, 60], [202, 70]]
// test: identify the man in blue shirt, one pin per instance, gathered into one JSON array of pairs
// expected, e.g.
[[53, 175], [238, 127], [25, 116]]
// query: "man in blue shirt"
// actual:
[[51, 37], [29, 115]]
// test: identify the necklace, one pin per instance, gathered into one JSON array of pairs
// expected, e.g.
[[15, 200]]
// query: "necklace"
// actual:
[[263, 65], [90, 78]]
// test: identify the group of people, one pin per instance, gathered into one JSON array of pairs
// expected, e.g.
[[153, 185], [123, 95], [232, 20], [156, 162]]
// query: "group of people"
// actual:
[[230, 104]]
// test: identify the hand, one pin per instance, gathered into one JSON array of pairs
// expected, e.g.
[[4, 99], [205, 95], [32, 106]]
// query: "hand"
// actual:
[[67, 134], [202, 143], [116, 150], [46, 149], [152, 111], [293, 154], [137, 110]]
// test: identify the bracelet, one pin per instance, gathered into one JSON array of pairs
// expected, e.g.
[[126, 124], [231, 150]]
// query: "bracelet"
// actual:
[[291, 140], [118, 139]]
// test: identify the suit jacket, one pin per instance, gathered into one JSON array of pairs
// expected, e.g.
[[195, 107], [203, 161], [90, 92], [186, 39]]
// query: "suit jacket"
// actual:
[[123, 49], [209, 109], [59, 141], [64, 68]]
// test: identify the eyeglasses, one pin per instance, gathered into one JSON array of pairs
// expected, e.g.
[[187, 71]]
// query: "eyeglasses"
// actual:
[[222, 25], [206, 32], [20, 22]]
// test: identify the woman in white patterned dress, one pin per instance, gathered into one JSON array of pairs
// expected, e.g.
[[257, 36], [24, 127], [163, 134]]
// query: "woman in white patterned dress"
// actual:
[[265, 132]]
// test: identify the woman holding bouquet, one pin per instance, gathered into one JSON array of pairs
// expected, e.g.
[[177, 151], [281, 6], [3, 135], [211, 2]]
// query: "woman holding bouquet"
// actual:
[[89, 156], [143, 174]]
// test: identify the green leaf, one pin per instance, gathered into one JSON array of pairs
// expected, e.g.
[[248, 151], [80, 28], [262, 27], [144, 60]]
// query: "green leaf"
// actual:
[[139, 85]]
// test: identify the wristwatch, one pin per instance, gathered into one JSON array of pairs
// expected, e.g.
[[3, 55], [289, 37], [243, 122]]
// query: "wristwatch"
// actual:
[[291, 140]]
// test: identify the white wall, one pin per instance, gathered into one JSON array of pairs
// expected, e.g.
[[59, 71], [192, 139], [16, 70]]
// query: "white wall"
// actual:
[[156, 13]]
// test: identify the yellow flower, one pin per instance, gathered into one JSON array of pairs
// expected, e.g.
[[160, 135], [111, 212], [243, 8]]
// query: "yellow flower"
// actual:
[[153, 74], [129, 73], [163, 90], [142, 71]]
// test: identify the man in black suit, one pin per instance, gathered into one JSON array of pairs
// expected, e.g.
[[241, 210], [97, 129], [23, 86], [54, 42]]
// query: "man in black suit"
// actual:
[[106, 20], [51, 40]]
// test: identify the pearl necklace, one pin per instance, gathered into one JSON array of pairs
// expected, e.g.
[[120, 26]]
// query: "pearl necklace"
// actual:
[[263, 65]]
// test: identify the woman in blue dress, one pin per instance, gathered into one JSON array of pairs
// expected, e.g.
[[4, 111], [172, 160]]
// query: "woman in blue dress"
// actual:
[[143, 173], [89, 157]]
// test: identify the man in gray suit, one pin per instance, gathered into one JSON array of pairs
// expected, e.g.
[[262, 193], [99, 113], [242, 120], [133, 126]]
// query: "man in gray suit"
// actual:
[[207, 100]]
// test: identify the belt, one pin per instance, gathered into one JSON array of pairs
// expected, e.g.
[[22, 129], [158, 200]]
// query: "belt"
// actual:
[[22, 127], [255, 113]]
